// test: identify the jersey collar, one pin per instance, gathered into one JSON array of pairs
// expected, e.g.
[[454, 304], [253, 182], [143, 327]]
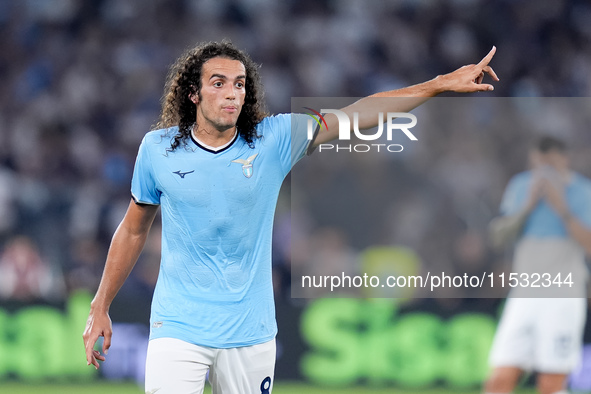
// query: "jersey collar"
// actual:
[[217, 149]]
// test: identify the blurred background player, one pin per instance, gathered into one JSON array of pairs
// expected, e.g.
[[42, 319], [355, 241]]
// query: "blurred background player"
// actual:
[[217, 182], [548, 209]]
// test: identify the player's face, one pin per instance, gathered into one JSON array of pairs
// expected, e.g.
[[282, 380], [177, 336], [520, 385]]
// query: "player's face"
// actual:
[[222, 94], [557, 159]]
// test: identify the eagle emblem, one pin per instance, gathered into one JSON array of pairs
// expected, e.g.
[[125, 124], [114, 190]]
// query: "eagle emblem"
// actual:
[[246, 165]]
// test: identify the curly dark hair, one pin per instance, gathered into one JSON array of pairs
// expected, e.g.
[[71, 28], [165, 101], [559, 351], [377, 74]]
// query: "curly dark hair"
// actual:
[[184, 80], [548, 143]]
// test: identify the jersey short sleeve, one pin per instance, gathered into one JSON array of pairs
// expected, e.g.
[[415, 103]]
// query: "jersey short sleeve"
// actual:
[[299, 137], [143, 183], [290, 131], [514, 195]]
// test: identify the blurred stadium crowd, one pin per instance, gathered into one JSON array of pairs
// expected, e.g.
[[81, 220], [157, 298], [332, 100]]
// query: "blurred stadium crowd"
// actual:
[[82, 82]]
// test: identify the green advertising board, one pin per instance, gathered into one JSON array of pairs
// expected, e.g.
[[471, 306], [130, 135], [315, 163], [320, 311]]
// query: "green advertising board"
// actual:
[[40, 342], [366, 340]]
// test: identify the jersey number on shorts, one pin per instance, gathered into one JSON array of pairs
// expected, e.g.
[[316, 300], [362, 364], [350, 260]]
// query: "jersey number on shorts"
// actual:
[[266, 385]]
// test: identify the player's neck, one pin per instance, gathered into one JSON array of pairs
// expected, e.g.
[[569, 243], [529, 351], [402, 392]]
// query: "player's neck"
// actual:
[[213, 138]]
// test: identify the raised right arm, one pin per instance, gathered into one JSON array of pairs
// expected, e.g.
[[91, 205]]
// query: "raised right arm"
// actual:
[[507, 227], [466, 79], [126, 246]]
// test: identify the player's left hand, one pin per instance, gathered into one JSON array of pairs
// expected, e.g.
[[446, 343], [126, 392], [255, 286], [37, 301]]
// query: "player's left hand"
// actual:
[[554, 195], [468, 79], [535, 193]]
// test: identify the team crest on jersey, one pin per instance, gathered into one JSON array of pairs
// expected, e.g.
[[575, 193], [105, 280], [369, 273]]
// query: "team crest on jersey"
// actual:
[[246, 165]]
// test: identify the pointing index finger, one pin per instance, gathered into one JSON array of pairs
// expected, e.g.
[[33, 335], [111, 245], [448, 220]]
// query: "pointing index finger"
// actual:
[[485, 60]]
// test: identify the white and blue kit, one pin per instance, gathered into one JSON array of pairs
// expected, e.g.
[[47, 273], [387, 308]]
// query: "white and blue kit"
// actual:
[[543, 221], [541, 328], [215, 287]]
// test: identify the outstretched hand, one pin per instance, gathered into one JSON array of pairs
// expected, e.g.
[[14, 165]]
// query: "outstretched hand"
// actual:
[[97, 325], [468, 79]]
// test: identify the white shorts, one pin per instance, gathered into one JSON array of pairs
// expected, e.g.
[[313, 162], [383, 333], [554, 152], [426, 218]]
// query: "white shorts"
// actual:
[[177, 367], [540, 334]]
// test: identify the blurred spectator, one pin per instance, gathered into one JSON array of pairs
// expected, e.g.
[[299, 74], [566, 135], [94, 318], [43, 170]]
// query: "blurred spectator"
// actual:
[[86, 265], [24, 275], [330, 254]]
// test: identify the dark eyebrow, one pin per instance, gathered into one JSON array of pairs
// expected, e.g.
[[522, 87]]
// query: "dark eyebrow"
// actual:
[[220, 76]]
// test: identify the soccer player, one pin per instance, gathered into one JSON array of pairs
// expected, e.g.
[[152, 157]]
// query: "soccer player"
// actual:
[[214, 167], [549, 209]]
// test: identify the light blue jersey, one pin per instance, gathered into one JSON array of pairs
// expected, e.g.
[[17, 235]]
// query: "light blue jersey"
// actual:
[[214, 288], [543, 221]]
